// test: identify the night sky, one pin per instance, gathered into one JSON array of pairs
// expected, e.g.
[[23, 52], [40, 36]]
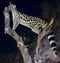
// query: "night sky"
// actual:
[[30, 7]]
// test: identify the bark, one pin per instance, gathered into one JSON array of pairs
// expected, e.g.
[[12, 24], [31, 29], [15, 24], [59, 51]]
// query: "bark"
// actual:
[[20, 44], [39, 43]]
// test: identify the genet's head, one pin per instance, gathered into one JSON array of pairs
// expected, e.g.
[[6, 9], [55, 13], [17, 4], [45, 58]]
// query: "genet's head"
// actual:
[[11, 7]]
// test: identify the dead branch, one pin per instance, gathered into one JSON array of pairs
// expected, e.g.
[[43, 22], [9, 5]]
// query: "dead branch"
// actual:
[[39, 44], [12, 33]]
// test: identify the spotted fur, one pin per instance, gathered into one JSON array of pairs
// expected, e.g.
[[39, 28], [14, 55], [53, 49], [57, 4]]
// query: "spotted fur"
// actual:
[[36, 24]]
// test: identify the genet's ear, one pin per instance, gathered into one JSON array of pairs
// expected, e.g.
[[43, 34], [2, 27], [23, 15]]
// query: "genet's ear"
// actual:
[[51, 22], [12, 5]]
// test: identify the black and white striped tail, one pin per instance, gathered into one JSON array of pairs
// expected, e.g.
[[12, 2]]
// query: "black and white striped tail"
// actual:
[[51, 38]]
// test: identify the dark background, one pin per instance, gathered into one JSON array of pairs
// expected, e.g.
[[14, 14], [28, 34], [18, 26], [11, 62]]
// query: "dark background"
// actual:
[[45, 9]]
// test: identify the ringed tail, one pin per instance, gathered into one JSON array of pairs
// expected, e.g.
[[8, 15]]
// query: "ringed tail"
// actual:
[[51, 38]]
